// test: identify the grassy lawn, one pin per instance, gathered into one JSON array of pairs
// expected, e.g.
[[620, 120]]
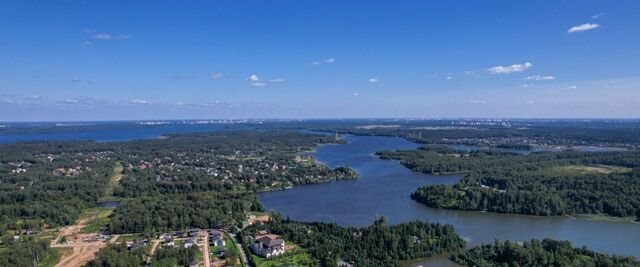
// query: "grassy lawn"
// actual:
[[604, 217], [131, 237], [229, 247], [95, 219], [54, 256], [295, 257], [571, 170], [48, 234], [200, 257]]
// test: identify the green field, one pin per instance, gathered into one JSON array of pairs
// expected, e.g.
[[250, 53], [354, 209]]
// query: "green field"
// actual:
[[48, 234], [114, 180], [570, 170], [95, 219], [295, 257], [131, 237]]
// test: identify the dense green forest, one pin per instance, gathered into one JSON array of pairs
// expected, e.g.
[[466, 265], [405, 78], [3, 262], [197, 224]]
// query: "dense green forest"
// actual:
[[376, 245], [50, 183], [174, 256], [120, 256], [547, 252], [24, 253], [549, 183], [117, 256], [179, 212]]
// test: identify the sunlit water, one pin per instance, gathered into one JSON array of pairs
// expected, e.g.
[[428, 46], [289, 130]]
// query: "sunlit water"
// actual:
[[384, 188]]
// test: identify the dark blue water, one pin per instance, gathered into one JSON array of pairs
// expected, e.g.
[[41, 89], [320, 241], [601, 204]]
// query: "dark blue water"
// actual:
[[109, 135], [384, 189], [107, 204]]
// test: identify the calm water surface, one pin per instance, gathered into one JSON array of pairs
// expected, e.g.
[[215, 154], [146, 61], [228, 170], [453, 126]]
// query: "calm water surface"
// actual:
[[384, 189]]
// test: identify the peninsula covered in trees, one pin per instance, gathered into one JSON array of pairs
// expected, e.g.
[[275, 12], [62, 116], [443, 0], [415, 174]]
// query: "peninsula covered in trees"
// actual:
[[544, 183]]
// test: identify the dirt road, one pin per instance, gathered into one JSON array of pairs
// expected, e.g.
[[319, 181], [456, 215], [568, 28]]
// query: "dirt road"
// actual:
[[204, 247], [245, 260], [85, 246]]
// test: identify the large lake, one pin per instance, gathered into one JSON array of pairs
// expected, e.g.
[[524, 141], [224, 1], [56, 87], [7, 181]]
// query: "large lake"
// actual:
[[384, 189], [112, 134]]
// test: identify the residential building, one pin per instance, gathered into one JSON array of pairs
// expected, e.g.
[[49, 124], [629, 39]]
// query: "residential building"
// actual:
[[268, 246]]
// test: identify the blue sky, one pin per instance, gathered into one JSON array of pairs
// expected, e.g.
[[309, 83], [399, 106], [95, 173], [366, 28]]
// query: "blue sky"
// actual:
[[110, 60]]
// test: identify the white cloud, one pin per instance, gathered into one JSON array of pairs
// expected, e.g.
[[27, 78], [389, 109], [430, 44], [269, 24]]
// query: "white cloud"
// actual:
[[326, 61], [101, 36], [356, 94], [71, 100], [529, 102], [583, 27], [509, 69], [476, 102], [253, 78], [540, 78], [139, 101], [373, 80], [277, 80], [526, 85], [597, 15], [216, 75], [448, 78], [258, 84]]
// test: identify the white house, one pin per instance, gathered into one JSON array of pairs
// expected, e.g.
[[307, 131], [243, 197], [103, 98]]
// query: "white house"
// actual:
[[268, 246], [190, 242]]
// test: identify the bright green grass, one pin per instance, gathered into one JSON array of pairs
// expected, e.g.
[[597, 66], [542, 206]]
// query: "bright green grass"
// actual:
[[114, 179], [570, 170], [295, 257], [131, 237], [95, 219]]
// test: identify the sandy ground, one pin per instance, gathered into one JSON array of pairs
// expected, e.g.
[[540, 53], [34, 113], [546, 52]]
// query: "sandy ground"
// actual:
[[85, 246]]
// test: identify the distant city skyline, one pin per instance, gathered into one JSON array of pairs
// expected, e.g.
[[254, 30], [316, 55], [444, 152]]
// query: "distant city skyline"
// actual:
[[161, 60]]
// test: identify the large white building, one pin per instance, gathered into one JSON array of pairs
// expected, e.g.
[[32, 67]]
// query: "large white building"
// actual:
[[268, 246]]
